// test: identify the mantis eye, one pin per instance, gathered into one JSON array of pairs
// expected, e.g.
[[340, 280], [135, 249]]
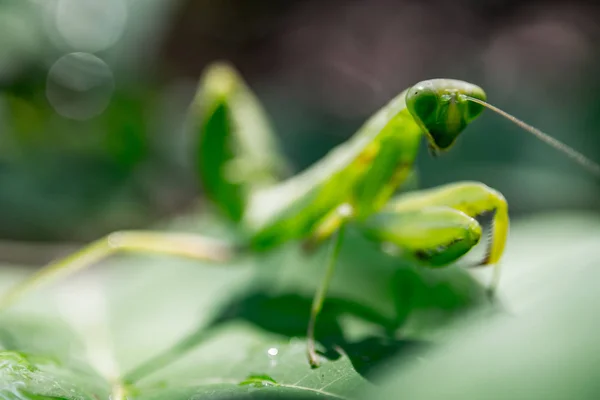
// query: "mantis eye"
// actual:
[[422, 102], [474, 109]]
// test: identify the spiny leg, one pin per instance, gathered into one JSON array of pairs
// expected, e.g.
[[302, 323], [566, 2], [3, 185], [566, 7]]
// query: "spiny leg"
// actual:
[[178, 244], [474, 199], [345, 212]]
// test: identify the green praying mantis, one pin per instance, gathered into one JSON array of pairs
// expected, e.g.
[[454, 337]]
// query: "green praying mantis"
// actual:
[[241, 171]]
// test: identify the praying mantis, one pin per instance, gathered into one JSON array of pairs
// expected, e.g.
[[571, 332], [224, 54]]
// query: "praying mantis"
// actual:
[[241, 171]]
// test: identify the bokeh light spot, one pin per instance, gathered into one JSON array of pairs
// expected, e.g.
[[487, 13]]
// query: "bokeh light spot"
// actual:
[[91, 25], [79, 86]]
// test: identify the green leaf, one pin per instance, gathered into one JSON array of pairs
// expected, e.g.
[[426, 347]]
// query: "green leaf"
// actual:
[[164, 328], [263, 365], [543, 347], [40, 358]]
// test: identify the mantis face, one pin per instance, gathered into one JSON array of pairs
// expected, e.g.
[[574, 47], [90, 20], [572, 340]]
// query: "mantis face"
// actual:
[[441, 108]]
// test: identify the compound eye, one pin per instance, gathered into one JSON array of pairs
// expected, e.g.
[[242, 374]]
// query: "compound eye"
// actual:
[[473, 110], [422, 103]]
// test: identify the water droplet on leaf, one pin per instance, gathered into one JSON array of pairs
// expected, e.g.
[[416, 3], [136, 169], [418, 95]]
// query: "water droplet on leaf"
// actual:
[[257, 381]]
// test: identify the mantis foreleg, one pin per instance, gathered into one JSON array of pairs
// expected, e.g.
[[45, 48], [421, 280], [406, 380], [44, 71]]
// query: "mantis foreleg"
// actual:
[[449, 234], [472, 198]]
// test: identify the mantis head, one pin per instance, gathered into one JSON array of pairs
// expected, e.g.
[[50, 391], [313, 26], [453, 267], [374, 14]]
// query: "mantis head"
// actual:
[[441, 107], [444, 107]]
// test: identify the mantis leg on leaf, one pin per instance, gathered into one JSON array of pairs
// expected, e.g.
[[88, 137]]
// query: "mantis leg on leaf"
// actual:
[[344, 212], [241, 171], [176, 244]]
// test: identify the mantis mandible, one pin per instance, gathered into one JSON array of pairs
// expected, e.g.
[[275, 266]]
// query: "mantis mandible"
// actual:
[[355, 183]]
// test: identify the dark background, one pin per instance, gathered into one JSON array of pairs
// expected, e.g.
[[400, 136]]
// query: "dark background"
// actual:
[[91, 144]]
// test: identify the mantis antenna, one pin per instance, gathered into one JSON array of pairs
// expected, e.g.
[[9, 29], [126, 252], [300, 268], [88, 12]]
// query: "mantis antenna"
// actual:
[[582, 160]]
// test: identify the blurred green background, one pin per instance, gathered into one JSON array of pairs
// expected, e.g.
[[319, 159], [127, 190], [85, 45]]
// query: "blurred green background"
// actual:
[[94, 94]]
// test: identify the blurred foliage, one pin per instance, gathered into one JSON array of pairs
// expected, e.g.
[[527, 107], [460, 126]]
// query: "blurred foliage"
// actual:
[[320, 77], [73, 164]]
